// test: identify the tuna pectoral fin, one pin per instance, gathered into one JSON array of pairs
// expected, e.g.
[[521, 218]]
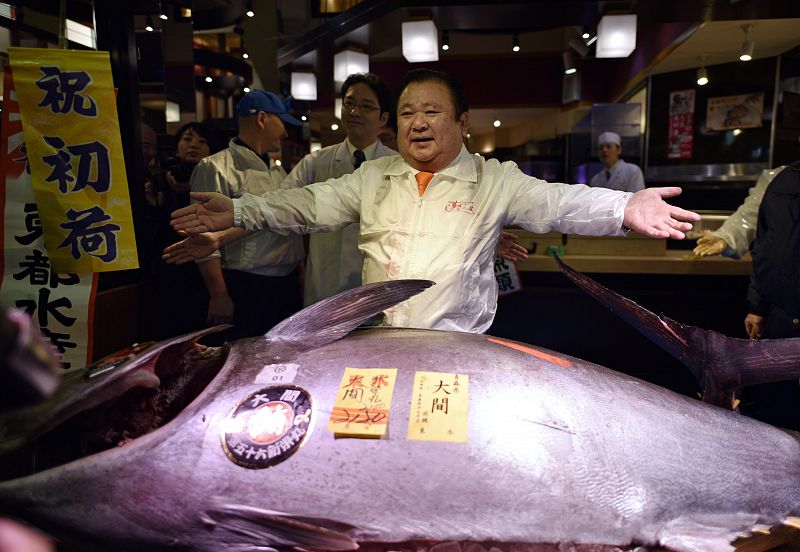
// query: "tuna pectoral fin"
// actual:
[[709, 533], [721, 364], [257, 528], [335, 317]]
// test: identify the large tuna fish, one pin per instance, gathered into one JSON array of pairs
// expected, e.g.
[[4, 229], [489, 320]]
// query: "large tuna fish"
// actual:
[[559, 451]]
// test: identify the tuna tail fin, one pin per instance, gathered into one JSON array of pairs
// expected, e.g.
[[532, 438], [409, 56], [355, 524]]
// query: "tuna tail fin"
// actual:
[[721, 364], [335, 317], [253, 528]]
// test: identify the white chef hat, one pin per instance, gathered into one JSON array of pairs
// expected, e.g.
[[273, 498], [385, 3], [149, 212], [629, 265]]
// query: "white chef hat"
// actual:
[[609, 138]]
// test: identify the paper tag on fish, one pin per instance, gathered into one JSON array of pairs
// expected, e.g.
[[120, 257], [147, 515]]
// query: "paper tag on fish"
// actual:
[[277, 374], [362, 403], [439, 407]]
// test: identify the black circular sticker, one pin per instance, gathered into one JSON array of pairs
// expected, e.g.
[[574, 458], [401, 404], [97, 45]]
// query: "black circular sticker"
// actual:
[[268, 426]]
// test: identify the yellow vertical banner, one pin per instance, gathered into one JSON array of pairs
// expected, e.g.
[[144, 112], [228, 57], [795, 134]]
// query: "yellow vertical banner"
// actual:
[[439, 407], [74, 150]]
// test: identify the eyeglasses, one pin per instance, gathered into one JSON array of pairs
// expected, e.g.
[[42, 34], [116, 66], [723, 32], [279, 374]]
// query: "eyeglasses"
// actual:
[[350, 105]]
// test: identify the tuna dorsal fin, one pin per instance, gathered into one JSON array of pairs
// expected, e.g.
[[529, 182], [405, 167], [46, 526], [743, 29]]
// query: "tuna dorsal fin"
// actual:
[[256, 527], [721, 364], [334, 317]]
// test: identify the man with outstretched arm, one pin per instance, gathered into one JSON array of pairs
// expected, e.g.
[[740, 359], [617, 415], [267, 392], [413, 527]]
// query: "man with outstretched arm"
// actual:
[[436, 211]]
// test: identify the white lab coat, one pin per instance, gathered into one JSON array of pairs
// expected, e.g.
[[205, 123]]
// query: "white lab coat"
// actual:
[[236, 170], [334, 260], [448, 235], [739, 229]]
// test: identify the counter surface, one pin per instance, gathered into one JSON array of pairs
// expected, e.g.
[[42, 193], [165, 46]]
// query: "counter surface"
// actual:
[[633, 254], [671, 262]]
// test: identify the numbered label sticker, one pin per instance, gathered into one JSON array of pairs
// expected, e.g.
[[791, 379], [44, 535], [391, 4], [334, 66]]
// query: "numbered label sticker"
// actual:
[[276, 374]]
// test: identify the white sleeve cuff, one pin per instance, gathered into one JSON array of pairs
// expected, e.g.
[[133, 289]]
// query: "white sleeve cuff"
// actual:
[[237, 213]]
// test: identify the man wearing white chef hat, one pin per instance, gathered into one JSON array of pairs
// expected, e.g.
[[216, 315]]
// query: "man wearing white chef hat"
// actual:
[[616, 173]]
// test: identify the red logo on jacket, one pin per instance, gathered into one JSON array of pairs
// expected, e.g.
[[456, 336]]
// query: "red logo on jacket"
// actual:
[[460, 206]]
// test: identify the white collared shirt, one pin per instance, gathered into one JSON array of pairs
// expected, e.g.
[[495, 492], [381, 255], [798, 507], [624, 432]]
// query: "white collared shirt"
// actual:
[[234, 171], [448, 235], [334, 262], [622, 176], [369, 151]]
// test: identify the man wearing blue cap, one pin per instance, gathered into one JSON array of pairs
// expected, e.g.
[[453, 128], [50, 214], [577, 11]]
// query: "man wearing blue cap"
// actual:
[[252, 282]]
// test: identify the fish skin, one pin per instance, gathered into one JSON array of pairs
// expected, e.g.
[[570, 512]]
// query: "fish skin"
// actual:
[[556, 453]]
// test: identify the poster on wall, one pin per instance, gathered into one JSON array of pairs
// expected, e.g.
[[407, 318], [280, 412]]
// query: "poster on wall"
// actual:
[[681, 124], [730, 112]]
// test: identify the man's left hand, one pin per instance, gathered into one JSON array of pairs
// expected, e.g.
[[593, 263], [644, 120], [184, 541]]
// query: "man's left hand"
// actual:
[[648, 214], [214, 212]]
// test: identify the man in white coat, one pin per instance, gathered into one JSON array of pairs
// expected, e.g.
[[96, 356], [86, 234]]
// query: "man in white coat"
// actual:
[[734, 237], [334, 261], [252, 282], [436, 211]]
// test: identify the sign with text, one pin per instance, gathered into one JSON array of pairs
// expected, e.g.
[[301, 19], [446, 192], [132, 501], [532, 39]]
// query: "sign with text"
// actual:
[[74, 151], [507, 276], [439, 407], [363, 402], [681, 124], [60, 304], [732, 112]]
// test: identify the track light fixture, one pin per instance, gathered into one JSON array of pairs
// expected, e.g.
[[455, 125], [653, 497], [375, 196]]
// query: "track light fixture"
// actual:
[[515, 42], [148, 26], [702, 73], [161, 13], [250, 12], [747, 45], [569, 63], [702, 76], [445, 41]]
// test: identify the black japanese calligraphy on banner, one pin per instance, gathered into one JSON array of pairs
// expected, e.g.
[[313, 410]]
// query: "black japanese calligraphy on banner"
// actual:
[[507, 276], [58, 303], [69, 115]]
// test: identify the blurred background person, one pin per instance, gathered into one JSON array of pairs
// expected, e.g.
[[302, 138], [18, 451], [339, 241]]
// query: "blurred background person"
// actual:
[[774, 293], [734, 237], [178, 290], [253, 281], [334, 260], [616, 173]]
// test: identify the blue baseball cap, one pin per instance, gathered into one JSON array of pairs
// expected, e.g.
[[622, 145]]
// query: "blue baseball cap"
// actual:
[[268, 102]]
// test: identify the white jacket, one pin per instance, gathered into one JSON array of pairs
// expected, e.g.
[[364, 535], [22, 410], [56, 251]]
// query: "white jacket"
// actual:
[[448, 235], [236, 170], [334, 261], [739, 229]]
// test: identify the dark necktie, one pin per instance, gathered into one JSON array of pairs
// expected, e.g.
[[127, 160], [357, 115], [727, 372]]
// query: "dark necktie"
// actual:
[[608, 176], [358, 158]]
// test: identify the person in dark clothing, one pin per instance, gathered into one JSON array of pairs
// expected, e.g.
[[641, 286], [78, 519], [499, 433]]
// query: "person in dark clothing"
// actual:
[[774, 292], [179, 290]]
